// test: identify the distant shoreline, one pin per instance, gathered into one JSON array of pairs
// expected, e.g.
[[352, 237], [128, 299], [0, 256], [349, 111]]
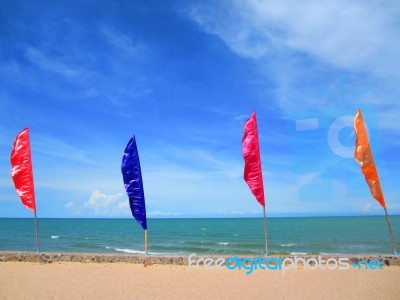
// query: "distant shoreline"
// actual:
[[170, 259]]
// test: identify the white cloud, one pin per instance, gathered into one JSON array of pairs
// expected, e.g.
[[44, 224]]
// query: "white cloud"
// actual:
[[107, 205], [323, 57], [100, 204], [349, 34], [345, 33]]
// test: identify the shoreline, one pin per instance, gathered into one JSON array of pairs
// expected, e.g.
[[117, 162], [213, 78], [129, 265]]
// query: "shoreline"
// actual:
[[170, 259]]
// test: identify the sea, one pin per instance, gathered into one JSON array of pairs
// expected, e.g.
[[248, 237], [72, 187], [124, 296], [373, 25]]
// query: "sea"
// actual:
[[239, 236]]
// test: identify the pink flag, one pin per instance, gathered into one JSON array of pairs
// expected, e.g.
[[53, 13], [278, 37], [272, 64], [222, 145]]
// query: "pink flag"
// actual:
[[21, 162], [252, 160]]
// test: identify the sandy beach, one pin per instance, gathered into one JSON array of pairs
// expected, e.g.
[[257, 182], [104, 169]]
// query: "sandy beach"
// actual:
[[69, 280]]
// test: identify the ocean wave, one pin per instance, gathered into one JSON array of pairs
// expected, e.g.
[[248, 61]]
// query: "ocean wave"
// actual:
[[55, 236], [126, 250], [254, 251], [133, 251], [287, 245], [223, 243], [298, 253]]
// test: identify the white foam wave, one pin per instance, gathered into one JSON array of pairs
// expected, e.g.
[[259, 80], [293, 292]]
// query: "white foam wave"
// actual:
[[223, 243], [55, 236], [126, 250], [298, 253], [133, 251], [287, 245]]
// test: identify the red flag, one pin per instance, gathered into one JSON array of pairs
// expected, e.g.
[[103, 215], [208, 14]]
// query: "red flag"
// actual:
[[21, 162], [252, 160], [363, 156]]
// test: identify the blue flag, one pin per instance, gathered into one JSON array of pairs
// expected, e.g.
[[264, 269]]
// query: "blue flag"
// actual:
[[133, 182]]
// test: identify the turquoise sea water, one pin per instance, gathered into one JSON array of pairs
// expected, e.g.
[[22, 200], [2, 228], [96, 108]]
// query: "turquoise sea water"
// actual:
[[312, 235]]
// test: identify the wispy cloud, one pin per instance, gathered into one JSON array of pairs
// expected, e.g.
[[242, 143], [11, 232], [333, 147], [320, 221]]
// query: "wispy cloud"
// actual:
[[323, 58], [85, 82], [367, 208], [57, 148], [306, 179], [120, 41], [54, 65], [253, 28], [161, 214], [74, 62], [194, 162]]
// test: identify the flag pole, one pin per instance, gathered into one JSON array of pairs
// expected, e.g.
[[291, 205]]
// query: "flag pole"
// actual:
[[36, 231], [265, 233], [146, 244], [390, 232]]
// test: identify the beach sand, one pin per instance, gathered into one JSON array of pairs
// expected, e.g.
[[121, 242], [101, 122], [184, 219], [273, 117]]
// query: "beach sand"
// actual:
[[68, 280]]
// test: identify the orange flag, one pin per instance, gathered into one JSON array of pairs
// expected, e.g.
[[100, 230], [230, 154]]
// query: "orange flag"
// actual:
[[363, 156]]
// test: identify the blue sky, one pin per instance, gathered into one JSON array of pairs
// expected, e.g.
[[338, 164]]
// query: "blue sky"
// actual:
[[183, 76]]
